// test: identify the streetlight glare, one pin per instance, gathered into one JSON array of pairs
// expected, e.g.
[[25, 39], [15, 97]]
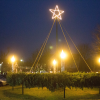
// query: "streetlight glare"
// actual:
[[54, 62], [99, 60], [13, 59], [63, 55], [21, 60]]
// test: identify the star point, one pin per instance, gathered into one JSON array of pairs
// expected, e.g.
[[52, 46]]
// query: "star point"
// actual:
[[56, 13]]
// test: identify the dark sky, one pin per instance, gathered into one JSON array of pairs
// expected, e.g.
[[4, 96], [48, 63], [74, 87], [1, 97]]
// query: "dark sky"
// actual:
[[24, 24]]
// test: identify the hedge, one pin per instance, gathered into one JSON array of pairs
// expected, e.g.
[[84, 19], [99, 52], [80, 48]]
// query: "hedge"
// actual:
[[54, 81]]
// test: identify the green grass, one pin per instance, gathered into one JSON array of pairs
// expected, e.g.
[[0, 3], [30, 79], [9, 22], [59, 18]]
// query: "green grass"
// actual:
[[6, 93]]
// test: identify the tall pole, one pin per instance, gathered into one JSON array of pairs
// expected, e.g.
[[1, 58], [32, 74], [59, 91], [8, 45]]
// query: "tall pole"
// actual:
[[13, 59], [0, 68], [57, 40], [12, 66], [56, 35], [56, 15]]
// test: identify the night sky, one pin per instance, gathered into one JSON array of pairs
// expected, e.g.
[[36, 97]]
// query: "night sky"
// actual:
[[24, 24]]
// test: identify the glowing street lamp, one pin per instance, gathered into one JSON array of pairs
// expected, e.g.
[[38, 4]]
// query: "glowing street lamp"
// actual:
[[54, 62], [0, 66], [62, 55], [99, 60], [21, 60], [13, 60]]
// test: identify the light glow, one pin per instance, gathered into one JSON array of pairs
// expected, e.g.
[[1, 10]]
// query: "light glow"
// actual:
[[56, 10], [13, 59], [99, 60], [21, 60], [51, 47], [54, 62], [63, 55]]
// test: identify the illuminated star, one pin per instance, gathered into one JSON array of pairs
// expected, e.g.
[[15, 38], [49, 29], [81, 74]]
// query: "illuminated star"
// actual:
[[56, 13]]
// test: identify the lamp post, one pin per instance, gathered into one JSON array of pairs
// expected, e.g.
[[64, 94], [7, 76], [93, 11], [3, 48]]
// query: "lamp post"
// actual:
[[63, 55], [99, 60], [0, 68], [13, 60], [54, 69]]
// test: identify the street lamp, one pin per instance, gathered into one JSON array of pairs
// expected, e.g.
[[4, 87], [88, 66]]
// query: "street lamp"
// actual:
[[54, 62], [99, 60], [0, 66], [21, 60], [13, 60], [62, 55]]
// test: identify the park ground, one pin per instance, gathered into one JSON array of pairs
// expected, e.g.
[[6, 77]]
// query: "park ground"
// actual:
[[6, 93]]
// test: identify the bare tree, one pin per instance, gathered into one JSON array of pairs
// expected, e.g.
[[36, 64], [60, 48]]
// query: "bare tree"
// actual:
[[85, 51], [96, 43], [96, 49]]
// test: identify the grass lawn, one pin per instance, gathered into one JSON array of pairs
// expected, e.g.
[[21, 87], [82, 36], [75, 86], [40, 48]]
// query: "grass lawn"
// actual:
[[6, 93]]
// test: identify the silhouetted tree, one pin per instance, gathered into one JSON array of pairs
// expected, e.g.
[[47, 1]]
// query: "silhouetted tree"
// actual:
[[85, 51], [96, 42], [3, 58], [96, 48]]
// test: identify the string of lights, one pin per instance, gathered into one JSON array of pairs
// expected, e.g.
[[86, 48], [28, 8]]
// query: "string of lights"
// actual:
[[78, 50], [42, 48], [68, 46], [56, 13]]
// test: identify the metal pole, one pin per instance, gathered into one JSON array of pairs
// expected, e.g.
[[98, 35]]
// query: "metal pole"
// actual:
[[64, 91], [12, 66], [56, 34], [0, 68], [62, 65], [56, 39], [54, 68]]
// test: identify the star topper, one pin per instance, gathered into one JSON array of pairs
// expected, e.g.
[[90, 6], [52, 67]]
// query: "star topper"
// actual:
[[56, 13]]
